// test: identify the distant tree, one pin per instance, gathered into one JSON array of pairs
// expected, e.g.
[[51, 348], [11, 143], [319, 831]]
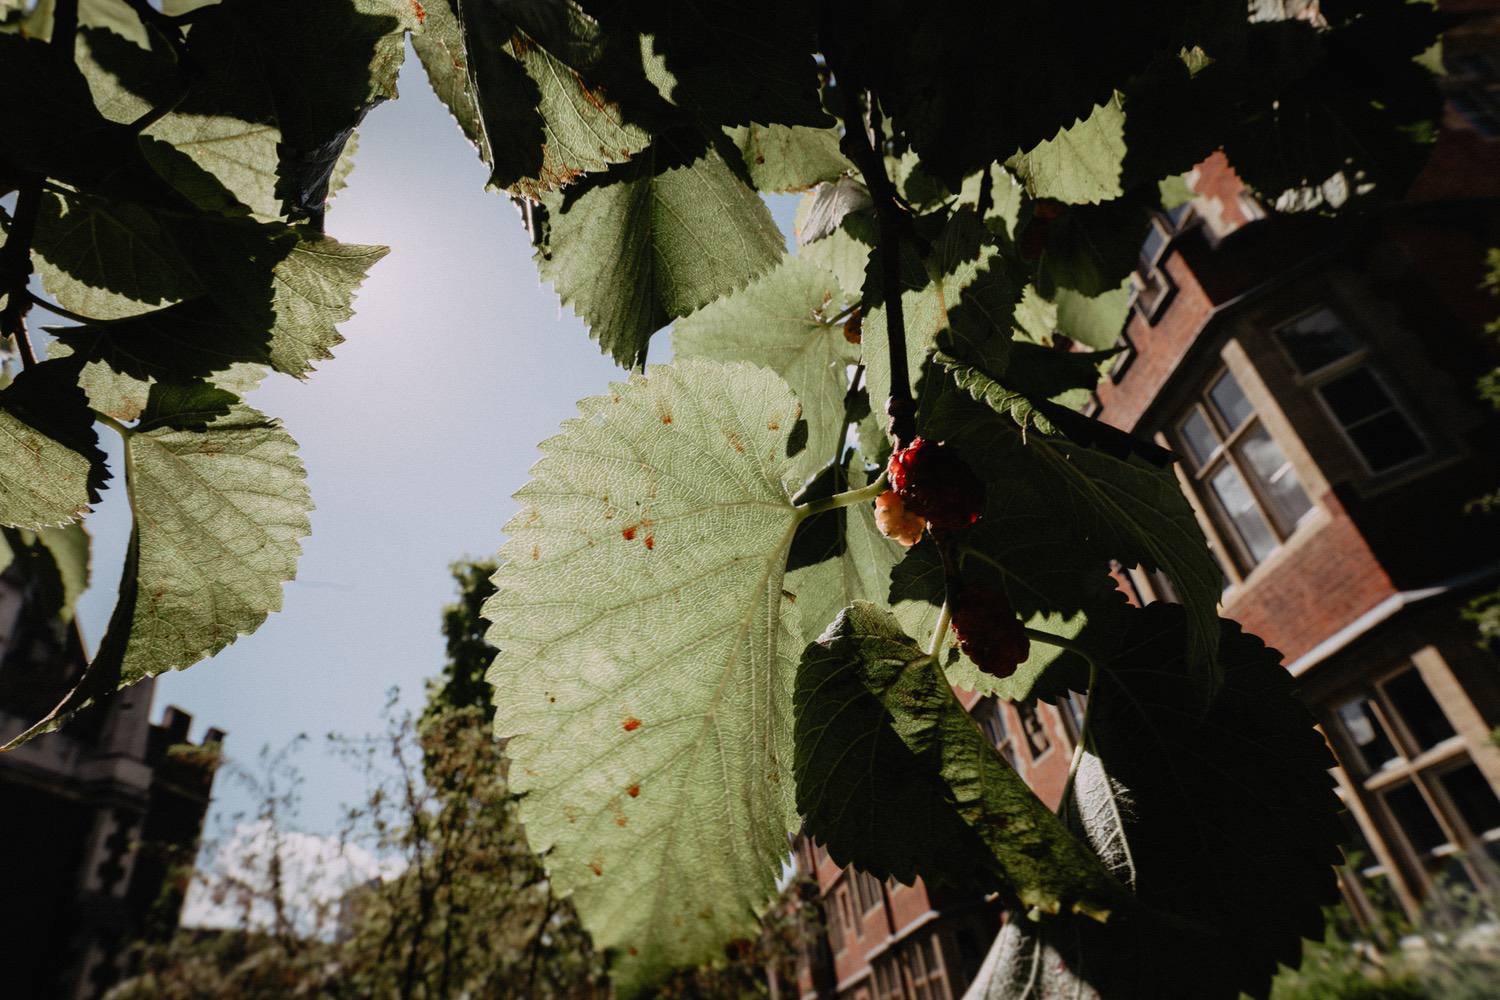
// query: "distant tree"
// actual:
[[461, 683]]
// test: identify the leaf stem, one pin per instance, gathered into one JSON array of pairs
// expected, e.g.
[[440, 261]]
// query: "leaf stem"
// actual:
[[67, 314], [846, 499], [113, 424], [940, 631], [15, 270], [1064, 805], [1061, 643], [862, 145]]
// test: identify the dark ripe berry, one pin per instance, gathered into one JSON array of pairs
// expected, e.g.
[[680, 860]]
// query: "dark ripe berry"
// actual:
[[988, 631], [935, 483], [854, 327]]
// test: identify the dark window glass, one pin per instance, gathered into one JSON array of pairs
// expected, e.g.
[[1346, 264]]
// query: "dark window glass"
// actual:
[[1317, 340], [1355, 396], [1418, 710], [1474, 798], [1417, 822], [1387, 441], [1230, 401], [1199, 437], [1366, 733]]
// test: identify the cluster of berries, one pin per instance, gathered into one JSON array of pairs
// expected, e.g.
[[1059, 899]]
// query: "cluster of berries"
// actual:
[[931, 486]]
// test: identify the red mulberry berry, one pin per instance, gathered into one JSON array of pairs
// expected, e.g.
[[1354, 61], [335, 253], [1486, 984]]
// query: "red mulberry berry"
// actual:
[[933, 482], [988, 631], [896, 522]]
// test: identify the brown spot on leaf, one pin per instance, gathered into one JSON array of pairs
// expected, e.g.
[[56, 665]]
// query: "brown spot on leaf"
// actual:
[[419, 11], [739, 445], [773, 426], [633, 791], [631, 724], [629, 533], [536, 552], [633, 951], [650, 542], [620, 819], [588, 95], [570, 814], [597, 867]]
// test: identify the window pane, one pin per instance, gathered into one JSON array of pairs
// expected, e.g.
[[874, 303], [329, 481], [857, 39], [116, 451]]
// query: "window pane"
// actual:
[[1198, 436], [1240, 505], [1387, 441], [1274, 474], [1418, 710], [1417, 822], [1356, 396], [1474, 798], [1230, 401], [1367, 734], [1317, 340], [1036, 734]]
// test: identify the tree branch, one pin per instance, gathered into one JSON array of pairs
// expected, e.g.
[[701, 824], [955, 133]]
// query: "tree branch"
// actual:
[[863, 148]]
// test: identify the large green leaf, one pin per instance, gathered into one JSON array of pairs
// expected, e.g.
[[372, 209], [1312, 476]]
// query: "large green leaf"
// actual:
[[789, 157], [51, 468], [252, 119], [653, 239], [783, 320], [896, 778], [108, 260], [526, 98], [647, 661], [1223, 821], [220, 503], [1082, 163], [282, 313], [727, 63]]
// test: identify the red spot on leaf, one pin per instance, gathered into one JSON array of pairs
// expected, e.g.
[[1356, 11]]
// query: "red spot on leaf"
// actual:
[[650, 542], [633, 951], [597, 867], [633, 791], [536, 552], [620, 820], [666, 418], [629, 533], [739, 445], [420, 11], [631, 724]]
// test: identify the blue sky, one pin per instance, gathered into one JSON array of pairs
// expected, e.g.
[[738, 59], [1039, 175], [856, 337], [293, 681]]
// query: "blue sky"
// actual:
[[457, 362]]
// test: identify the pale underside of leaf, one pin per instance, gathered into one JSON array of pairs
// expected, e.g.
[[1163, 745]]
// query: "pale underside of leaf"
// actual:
[[782, 320], [1083, 163], [655, 244], [42, 481], [647, 659]]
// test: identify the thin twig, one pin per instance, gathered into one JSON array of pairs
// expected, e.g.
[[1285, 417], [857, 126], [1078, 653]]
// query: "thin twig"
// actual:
[[15, 270]]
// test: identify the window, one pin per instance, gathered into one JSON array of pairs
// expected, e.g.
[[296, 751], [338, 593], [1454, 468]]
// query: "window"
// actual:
[[1399, 745], [1332, 359], [1037, 740], [923, 962], [888, 980], [991, 715], [1153, 289], [851, 925], [1242, 476], [834, 920]]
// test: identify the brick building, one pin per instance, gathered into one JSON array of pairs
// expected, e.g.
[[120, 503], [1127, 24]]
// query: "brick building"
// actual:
[[1317, 381], [99, 817]]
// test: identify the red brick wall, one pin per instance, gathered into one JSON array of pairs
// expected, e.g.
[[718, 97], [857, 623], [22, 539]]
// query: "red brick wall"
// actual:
[[1321, 585], [1158, 348]]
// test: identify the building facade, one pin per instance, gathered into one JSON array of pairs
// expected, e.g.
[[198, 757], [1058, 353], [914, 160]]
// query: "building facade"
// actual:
[[1317, 382], [100, 817]]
